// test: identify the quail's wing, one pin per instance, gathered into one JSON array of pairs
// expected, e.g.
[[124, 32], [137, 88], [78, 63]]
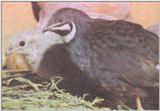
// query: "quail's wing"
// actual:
[[125, 51]]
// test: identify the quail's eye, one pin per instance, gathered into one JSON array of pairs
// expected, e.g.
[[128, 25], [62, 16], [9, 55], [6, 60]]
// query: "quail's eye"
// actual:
[[22, 43]]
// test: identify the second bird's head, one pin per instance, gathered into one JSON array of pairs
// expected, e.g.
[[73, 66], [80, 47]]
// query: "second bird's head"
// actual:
[[60, 29]]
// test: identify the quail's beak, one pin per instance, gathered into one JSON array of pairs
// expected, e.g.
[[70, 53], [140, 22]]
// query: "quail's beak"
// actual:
[[10, 51], [45, 29]]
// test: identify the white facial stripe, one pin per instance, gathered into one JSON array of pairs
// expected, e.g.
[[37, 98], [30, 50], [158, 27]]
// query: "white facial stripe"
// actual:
[[67, 38], [63, 27], [71, 35], [54, 25]]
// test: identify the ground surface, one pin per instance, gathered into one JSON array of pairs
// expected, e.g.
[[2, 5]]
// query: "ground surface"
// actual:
[[20, 93]]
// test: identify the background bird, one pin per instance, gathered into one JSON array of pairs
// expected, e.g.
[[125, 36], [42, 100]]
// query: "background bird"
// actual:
[[114, 59]]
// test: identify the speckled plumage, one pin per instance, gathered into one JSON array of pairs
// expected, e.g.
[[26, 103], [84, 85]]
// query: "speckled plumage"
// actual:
[[120, 56]]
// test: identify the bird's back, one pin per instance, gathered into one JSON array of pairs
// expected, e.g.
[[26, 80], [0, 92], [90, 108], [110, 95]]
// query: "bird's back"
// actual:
[[121, 54], [132, 51]]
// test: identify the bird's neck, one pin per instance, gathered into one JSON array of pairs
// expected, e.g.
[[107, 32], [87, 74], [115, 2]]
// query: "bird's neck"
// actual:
[[80, 50]]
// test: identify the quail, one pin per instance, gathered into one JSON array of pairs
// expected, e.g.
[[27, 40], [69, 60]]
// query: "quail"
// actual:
[[116, 59]]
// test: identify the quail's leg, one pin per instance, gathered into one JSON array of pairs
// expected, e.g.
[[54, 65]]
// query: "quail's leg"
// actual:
[[139, 104]]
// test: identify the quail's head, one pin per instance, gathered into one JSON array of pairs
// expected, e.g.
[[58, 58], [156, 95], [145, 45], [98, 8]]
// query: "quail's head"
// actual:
[[66, 22], [32, 45]]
